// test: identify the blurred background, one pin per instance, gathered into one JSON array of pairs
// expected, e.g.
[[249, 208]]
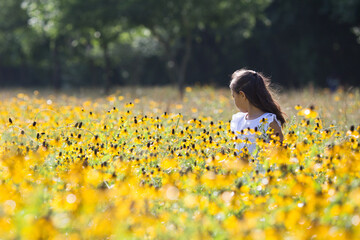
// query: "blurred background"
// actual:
[[67, 44]]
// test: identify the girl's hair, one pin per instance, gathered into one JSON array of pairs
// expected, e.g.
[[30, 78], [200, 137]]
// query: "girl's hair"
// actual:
[[257, 90]]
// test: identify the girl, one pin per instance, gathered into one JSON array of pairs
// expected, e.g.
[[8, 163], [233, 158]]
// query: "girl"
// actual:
[[258, 110]]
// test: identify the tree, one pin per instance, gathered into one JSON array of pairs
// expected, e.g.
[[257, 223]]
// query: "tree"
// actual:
[[99, 22], [346, 11], [16, 40], [176, 23], [306, 41], [46, 18]]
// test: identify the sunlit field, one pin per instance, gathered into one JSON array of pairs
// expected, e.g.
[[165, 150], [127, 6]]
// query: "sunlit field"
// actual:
[[142, 164]]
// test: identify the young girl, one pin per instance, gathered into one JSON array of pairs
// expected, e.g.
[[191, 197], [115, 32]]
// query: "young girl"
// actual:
[[258, 110]]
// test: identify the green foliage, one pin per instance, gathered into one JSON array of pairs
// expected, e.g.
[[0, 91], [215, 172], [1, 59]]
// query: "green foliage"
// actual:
[[109, 42], [13, 32], [44, 16]]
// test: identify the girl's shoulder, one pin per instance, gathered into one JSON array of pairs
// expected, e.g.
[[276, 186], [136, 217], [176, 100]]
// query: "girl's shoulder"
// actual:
[[271, 117], [236, 119], [238, 115]]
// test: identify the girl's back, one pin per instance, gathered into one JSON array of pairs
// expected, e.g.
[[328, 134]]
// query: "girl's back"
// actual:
[[245, 128]]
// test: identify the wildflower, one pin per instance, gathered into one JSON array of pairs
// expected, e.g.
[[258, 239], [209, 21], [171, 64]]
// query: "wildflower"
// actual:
[[165, 115], [188, 89], [129, 105], [33, 125], [96, 139], [298, 107], [263, 121], [308, 112], [164, 175], [111, 98]]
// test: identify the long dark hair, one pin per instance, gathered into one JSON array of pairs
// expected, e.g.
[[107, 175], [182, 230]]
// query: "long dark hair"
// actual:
[[257, 90]]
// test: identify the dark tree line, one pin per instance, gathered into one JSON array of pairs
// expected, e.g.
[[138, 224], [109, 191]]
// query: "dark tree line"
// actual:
[[72, 43]]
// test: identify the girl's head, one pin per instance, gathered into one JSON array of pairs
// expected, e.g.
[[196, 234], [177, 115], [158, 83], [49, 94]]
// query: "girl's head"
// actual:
[[254, 87]]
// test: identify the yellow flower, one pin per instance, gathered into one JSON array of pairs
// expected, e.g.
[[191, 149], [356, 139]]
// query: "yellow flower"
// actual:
[[263, 120], [95, 139], [298, 107], [308, 112]]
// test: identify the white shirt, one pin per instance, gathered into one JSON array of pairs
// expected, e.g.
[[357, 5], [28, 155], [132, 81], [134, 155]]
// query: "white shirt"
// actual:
[[239, 122]]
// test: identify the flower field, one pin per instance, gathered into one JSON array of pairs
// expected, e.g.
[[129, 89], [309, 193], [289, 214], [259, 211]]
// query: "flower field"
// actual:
[[143, 165]]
